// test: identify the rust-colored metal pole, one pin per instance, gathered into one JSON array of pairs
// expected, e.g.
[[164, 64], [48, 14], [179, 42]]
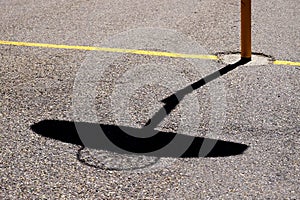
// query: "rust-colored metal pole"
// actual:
[[246, 29]]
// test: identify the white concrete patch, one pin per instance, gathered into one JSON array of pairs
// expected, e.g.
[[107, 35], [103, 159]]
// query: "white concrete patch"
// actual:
[[256, 59]]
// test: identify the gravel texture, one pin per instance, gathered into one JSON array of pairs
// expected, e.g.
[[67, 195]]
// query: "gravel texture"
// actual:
[[262, 102]]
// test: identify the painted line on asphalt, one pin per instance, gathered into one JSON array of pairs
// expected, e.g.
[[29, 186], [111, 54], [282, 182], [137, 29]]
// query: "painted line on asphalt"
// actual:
[[112, 50], [284, 62], [130, 51]]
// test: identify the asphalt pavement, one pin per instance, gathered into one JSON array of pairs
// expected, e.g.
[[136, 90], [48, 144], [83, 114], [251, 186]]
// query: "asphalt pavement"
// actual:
[[252, 112]]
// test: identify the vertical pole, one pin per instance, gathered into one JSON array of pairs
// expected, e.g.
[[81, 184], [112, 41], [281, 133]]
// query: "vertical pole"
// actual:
[[246, 29]]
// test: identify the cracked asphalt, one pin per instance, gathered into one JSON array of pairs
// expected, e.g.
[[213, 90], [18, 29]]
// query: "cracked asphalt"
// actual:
[[262, 102]]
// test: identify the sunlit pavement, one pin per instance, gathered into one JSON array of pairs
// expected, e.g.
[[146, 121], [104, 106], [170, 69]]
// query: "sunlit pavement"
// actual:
[[257, 105]]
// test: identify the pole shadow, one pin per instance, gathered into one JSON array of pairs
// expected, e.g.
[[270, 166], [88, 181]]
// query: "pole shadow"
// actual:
[[66, 131]]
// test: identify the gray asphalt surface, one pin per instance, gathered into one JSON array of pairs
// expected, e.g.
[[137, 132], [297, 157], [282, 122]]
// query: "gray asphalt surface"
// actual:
[[262, 102]]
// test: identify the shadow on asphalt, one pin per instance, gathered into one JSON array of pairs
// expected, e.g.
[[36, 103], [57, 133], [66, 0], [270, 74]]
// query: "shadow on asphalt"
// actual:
[[66, 131], [116, 136]]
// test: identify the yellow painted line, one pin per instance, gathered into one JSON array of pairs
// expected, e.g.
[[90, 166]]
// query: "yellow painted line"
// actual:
[[284, 62], [114, 50], [131, 51]]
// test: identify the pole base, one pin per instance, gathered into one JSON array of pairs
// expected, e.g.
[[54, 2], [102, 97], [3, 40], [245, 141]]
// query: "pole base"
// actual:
[[245, 59]]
